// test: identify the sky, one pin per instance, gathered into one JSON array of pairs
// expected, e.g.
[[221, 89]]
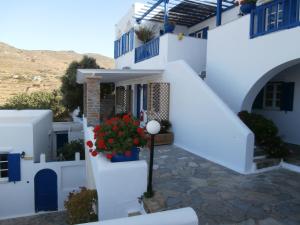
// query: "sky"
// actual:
[[85, 26]]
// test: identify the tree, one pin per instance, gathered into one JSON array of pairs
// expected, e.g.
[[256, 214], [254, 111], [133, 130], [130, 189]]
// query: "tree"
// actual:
[[72, 92], [39, 100]]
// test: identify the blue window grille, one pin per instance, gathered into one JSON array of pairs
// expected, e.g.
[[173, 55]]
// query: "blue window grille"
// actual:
[[274, 16], [147, 51]]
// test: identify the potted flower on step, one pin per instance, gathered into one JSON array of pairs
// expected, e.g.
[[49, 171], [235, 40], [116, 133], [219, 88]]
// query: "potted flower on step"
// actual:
[[119, 139], [246, 6], [165, 136]]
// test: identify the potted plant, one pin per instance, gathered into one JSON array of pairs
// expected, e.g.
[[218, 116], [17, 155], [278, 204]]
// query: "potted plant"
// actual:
[[145, 33], [169, 27], [164, 137], [118, 139], [246, 6]]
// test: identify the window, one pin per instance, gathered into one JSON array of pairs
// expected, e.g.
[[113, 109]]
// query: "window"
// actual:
[[272, 96], [202, 34], [3, 166]]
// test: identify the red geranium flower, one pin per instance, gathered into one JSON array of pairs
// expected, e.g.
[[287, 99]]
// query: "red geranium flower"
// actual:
[[115, 128], [126, 118], [89, 144], [136, 141], [94, 153], [109, 156], [110, 140], [97, 128], [101, 144], [140, 130], [137, 123]]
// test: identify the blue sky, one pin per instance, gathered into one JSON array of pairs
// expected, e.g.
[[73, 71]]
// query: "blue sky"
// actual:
[[81, 25]]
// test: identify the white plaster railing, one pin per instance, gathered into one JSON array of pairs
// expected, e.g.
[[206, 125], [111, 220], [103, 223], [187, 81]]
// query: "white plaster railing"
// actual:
[[119, 185], [185, 216]]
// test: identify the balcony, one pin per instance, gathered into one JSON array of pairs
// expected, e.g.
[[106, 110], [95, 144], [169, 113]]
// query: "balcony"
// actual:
[[164, 49], [274, 16]]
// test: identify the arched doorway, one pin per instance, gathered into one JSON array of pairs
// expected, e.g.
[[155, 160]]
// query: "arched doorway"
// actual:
[[45, 190], [276, 96]]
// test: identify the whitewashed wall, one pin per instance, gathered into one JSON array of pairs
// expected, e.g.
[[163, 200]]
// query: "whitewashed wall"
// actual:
[[203, 124], [26, 130], [185, 216], [19, 196], [238, 67], [119, 185], [288, 123]]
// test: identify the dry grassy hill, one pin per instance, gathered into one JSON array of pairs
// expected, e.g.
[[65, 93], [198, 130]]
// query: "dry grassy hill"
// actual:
[[29, 71]]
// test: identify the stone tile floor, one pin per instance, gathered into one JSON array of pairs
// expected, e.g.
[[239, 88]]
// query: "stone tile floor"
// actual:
[[56, 218], [221, 196], [218, 195]]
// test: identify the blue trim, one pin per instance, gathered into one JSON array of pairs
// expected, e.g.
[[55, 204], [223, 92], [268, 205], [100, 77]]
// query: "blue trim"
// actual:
[[166, 14], [149, 11], [147, 51], [204, 30], [219, 13], [289, 17], [14, 167], [124, 44], [145, 96], [138, 100]]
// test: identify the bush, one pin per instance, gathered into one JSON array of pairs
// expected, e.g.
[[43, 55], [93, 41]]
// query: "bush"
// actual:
[[38, 100], [81, 206], [266, 134], [68, 150]]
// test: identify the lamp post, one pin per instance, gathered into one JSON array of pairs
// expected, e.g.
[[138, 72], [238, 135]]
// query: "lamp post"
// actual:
[[153, 128]]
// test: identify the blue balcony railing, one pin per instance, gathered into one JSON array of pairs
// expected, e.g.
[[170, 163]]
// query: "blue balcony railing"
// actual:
[[147, 51], [274, 16]]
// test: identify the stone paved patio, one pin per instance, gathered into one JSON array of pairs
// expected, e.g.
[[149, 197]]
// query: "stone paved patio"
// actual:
[[57, 218], [221, 196]]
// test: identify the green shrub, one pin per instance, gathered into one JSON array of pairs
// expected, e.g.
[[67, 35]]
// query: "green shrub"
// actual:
[[145, 33], [38, 100], [266, 134], [68, 150], [81, 206]]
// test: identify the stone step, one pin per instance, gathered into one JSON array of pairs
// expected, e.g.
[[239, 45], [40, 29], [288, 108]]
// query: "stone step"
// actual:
[[266, 162]]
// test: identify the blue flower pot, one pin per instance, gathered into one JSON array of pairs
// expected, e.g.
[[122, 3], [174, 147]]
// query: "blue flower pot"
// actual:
[[247, 8], [169, 28], [122, 158]]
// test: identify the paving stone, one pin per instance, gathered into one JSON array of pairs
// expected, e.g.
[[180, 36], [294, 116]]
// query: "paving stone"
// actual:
[[269, 221], [221, 196]]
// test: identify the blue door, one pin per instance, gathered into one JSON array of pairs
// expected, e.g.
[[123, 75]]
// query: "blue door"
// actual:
[[138, 100], [45, 190]]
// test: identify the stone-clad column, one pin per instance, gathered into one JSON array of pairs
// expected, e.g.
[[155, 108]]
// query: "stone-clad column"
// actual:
[[93, 100]]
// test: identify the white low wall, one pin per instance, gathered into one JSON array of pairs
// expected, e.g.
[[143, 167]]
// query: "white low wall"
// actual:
[[119, 185], [19, 197], [185, 216], [202, 122]]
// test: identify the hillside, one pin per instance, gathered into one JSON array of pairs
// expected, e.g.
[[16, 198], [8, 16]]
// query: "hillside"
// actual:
[[29, 71]]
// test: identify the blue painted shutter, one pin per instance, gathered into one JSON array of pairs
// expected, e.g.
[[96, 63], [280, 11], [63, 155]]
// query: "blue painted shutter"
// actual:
[[138, 100], [14, 167], [205, 32], [145, 97], [123, 44], [116, 49], [131, 39], [287, 97], [258, 103]]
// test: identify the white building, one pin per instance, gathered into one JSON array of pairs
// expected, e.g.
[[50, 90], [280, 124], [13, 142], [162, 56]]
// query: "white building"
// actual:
[[30, 179], [243, 59]]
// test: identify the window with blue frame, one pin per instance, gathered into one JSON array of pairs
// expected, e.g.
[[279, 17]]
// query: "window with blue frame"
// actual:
[[124, 44], [3, 166], [202, 34]]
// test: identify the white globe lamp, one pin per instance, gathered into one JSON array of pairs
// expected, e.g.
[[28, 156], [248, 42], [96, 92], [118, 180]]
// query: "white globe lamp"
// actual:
[[153, 127]]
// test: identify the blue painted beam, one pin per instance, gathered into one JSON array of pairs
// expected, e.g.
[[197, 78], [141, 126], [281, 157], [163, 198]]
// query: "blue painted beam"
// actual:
[[219, 13], [166, 13], [149, 10]]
